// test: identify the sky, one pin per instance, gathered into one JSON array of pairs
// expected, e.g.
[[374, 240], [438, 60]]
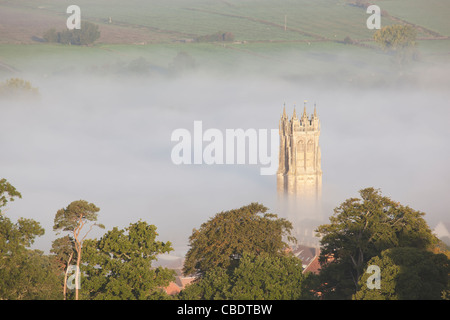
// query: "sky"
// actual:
[[107, 140]]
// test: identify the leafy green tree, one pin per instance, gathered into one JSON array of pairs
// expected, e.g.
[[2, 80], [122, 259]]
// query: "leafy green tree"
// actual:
[[7, 193], [119, 265], [407, 274], [66, 37], [29, 275], [15, 238], [24, 273], [214, 285], [256, 277], [87, 34], [222, 240], [267, 277], [72, 219], [361, 229]]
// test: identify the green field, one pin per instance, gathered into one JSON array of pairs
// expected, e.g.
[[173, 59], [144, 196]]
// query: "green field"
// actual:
[[302, 36], [431, 14]]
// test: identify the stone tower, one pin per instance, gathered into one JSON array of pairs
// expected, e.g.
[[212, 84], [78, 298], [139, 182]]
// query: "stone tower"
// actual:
[[299, 170]]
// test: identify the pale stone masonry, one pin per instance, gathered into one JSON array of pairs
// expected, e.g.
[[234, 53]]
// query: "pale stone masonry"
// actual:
[[299, 170]]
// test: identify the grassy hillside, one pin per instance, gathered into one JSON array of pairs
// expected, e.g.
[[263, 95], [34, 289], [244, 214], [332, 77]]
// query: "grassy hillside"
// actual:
[[261, 20], [294, 36]]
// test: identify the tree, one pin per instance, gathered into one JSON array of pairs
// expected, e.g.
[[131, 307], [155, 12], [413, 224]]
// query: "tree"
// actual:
[[407, 274], [222, 240], [66, 37], [348, 40], [29, 275], [15, 238], [396, 37], [24, 273], [182, 62], [64, 250], [87, 34], [51, 35], [119, 265], [7, 193], [256, 277], [399, 40], [361, 229], [218, 36], [17, 88], [139, 66], [73, 219], [214, 285]]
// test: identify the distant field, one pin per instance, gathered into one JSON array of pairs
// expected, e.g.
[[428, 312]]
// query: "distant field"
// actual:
[[431, 14], [302, 36], [157, 21]]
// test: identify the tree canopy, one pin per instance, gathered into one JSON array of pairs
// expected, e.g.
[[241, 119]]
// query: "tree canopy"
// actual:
[[396, 37], [361, 229], [87, 34], [24, 273], [73, 219], [399, 41], [222, 240], [256, 277], [407, 274], [7, 193], [119, 265]]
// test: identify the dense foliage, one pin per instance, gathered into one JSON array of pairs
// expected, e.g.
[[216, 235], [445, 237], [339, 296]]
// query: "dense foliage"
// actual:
[[239, 254], [221, 241], [119, 265], [407, 274], [256, 277], [362, 229], [87, 34]]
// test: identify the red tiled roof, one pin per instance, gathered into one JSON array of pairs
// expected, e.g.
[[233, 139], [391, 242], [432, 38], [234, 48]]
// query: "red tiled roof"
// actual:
[[179, 284], [313, 266], [172, 288]]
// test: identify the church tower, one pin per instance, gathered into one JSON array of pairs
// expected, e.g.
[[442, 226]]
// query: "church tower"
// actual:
[[299, 170]]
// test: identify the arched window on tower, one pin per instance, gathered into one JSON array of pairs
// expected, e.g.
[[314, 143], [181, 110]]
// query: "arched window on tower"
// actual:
[[301, 146], [310, 146]]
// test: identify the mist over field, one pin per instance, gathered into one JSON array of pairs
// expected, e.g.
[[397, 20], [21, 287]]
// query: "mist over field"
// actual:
[[107, 140]]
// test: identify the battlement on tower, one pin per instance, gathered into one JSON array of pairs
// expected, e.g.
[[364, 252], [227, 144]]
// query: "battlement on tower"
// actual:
[[305, 123]]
